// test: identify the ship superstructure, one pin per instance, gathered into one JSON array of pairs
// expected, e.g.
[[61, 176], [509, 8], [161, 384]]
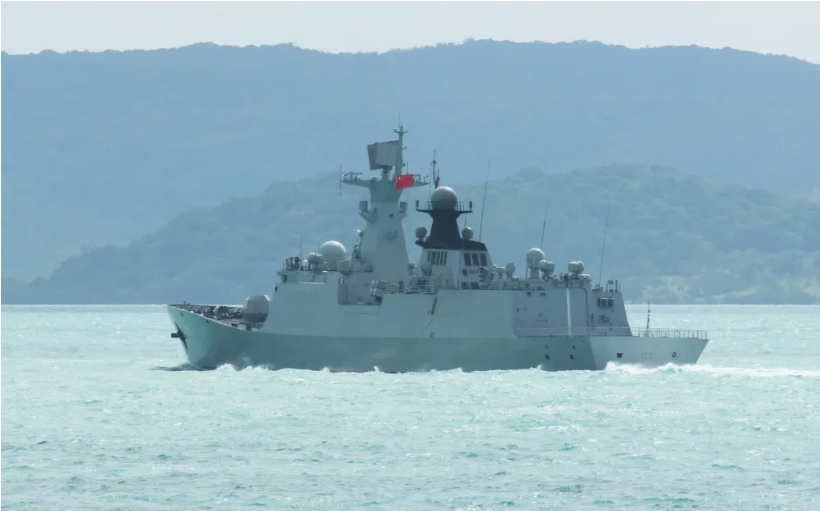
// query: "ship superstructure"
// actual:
[[373, 309]]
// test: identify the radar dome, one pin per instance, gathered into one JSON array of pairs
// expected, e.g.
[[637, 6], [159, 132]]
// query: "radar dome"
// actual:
[[467, 233], [546, 266], [509, 269], [332, 252], [421, 232], [575, 266], [444, 198], [534, 256]]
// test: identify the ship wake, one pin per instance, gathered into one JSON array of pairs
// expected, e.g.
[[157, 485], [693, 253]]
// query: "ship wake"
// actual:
[[181, 367], [747, 372]]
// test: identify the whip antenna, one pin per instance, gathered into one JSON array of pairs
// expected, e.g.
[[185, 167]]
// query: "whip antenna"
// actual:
[[484, 201], [544, 226], [433, 175], [603, 247]]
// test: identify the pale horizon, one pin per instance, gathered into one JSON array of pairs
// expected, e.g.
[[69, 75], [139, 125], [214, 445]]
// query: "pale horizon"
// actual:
[[767, 28]]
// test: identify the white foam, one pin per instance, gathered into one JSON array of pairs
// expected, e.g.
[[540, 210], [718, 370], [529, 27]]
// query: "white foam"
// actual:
[[749, 372]]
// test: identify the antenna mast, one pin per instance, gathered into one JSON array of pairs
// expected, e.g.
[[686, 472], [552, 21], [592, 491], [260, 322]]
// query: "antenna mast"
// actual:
[[436, 174], [399, 157], [484, 201], [544, 226], [603, 247]]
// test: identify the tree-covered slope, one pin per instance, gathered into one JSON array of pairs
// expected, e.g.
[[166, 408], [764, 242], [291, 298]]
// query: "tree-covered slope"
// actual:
[[672, 237], [100, 148]]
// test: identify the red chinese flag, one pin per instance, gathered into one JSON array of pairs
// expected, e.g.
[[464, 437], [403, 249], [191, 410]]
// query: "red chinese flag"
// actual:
[[404, 181]]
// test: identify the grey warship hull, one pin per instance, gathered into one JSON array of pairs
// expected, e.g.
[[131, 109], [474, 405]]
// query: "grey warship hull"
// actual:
[[210, 343], [371, 309]]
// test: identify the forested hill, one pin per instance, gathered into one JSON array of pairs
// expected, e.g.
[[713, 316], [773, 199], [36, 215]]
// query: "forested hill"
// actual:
[[672, 238], [100, 148]]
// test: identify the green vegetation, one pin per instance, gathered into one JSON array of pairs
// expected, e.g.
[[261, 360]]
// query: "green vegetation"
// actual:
[[672, 238], [102, 148]]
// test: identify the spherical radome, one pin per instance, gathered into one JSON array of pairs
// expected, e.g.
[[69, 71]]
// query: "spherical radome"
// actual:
[[575, 266], [467, 233], [332, 252], [444, 197], [534, 256]]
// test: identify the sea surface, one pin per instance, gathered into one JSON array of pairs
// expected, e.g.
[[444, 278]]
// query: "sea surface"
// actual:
[[100, 411]]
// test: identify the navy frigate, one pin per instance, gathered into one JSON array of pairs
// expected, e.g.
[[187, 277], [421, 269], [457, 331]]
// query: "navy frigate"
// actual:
[[372, 309]]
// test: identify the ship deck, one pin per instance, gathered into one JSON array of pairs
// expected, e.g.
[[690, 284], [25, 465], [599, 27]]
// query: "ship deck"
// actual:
[[228, 315]]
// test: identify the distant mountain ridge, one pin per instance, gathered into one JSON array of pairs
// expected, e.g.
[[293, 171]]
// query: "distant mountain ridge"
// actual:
[[673, 238], [101, 148]]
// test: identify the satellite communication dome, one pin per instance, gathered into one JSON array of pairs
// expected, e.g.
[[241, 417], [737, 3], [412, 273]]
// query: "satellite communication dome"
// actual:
[[444, 198], [467, 233], [332, 252], [421, 232], [534, 256], [546, 266], [575, 266], [509, 269], [314, 258], [426, 267]]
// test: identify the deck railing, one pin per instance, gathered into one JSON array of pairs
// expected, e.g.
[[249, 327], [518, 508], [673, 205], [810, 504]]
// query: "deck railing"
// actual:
[[608, 332], [457, 206], [675, 334]]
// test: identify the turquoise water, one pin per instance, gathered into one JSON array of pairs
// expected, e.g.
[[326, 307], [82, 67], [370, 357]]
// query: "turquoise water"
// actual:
[[98, 412]]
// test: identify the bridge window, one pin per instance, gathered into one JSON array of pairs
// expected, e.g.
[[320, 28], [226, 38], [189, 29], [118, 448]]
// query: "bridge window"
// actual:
[[475, 259], [483, 257], [467, 259], [437, 258], [605, 302]]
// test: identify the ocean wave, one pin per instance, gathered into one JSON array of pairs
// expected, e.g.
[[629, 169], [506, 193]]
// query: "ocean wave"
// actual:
[[749, 372], [182, 367]]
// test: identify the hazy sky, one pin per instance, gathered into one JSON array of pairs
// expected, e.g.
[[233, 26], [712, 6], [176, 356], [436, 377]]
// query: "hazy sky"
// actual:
[[780, 28]]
